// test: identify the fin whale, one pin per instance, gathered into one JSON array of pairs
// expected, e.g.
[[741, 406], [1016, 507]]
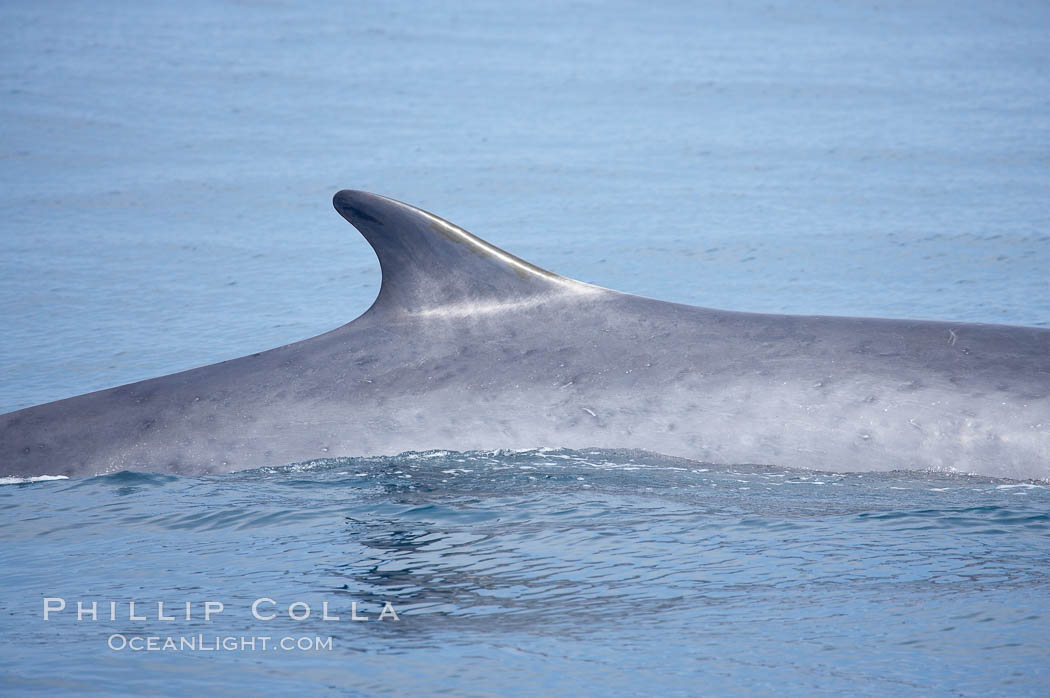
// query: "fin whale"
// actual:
[[468, 347]]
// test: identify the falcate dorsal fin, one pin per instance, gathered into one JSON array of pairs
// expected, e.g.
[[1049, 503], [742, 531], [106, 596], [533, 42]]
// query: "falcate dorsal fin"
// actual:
[[431, 266]]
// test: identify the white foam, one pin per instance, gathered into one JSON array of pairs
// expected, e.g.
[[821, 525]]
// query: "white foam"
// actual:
[[23, 480]]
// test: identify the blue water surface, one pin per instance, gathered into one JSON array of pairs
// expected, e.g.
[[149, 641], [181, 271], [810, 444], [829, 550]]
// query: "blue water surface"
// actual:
[[167, 171], [536, 573]]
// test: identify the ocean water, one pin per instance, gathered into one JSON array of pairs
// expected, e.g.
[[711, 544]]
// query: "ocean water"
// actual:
[[534, 573], [167, 172]]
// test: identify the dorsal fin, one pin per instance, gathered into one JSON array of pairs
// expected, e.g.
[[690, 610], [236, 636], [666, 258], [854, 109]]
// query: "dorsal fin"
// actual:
[[430, 264]]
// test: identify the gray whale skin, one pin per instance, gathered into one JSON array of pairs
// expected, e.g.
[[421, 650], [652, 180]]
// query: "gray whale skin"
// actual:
[[468, 347]]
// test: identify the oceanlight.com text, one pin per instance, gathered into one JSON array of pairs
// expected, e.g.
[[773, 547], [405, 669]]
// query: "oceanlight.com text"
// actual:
[[218, 643]]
